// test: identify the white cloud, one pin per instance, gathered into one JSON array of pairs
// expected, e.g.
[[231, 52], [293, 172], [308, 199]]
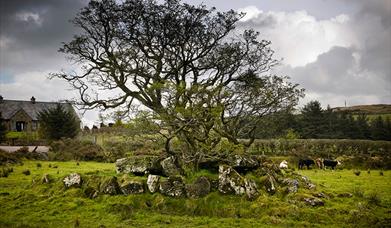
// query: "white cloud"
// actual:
[[297, 36], [343, 58]]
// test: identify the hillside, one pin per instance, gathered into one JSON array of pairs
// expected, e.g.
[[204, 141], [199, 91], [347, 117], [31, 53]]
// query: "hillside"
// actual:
[[375, 109]]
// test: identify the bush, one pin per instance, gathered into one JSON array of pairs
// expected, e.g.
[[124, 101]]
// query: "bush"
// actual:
[[68, 149], [8, 158], [357, 172], [6, 171]]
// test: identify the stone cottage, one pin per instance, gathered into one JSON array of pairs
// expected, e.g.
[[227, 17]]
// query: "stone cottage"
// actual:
[[23, 115]]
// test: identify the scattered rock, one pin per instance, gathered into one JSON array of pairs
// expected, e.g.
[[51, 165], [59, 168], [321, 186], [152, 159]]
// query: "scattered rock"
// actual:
[[292, 184], [110, 186], [46, 179], [311, 185], [320, 195], [313, 202], [169, 167], [153, 183], [138, 165], [200, 188], [305, 179], [308, 183], [72, 180], [91, 192], [172, 186], [251, 188], [132, 187], [345, 195]]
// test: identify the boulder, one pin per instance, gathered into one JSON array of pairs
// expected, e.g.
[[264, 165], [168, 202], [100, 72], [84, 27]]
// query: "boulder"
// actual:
[[201, 187], [169, 167], [139, 165], [308, 183], [172, 186], [132, 187], [153, 183], [230, 181], [243, 164], [110, 186], [292, 184], [73, 180], [251, 188], [270, 183], [313, 202]]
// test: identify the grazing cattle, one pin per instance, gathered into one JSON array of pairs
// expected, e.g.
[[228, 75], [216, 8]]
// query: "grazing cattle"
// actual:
[[330, 163], [319, 163], [306, 162], [284, 165]]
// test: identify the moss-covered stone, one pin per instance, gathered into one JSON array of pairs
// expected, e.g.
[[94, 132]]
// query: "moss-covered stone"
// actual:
[[139, 165]]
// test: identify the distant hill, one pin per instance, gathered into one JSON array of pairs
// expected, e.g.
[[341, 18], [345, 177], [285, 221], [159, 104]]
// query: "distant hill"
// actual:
[[376, 109]]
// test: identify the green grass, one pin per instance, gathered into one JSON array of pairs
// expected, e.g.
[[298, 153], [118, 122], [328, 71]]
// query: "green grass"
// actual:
[[26, 202]]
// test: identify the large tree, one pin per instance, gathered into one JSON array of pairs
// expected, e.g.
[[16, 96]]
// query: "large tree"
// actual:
[[201, 79]]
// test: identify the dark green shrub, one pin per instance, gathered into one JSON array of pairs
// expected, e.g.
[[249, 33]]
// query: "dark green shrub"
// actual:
[[68, 149], [357, 172], [39, 165], [8, 158], [57, 123], [26, 172]]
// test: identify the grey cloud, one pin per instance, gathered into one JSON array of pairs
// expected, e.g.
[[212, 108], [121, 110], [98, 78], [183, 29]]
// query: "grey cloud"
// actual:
[[335, 73], [32, 32]]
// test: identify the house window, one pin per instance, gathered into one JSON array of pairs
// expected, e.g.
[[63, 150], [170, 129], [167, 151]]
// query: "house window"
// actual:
[[21, 126]]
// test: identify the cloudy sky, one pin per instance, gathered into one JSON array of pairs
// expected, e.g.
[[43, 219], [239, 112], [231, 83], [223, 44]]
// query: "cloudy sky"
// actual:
[[338, 50]]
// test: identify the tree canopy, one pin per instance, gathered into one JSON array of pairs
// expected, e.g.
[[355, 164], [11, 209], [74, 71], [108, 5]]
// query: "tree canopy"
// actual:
[[201, 79], [57, 123]]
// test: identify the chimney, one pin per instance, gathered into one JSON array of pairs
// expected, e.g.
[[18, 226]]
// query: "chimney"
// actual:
[[32, 99]]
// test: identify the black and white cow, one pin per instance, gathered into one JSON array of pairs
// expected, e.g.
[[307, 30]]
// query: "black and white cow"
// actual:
[[306, 162], [330, 163]]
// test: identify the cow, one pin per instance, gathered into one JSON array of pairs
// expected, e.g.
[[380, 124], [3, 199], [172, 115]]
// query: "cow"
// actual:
[[319, 163], [284, 165], [306, 162], [330, 163]]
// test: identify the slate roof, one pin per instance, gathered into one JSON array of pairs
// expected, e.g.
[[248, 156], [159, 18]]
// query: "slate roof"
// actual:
[[9, 108]]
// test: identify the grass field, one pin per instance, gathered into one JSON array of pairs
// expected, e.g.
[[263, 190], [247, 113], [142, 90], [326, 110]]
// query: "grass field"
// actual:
[[26, 202]]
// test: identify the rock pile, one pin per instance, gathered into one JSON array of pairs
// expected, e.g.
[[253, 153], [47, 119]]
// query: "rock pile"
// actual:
[[165, 175]]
